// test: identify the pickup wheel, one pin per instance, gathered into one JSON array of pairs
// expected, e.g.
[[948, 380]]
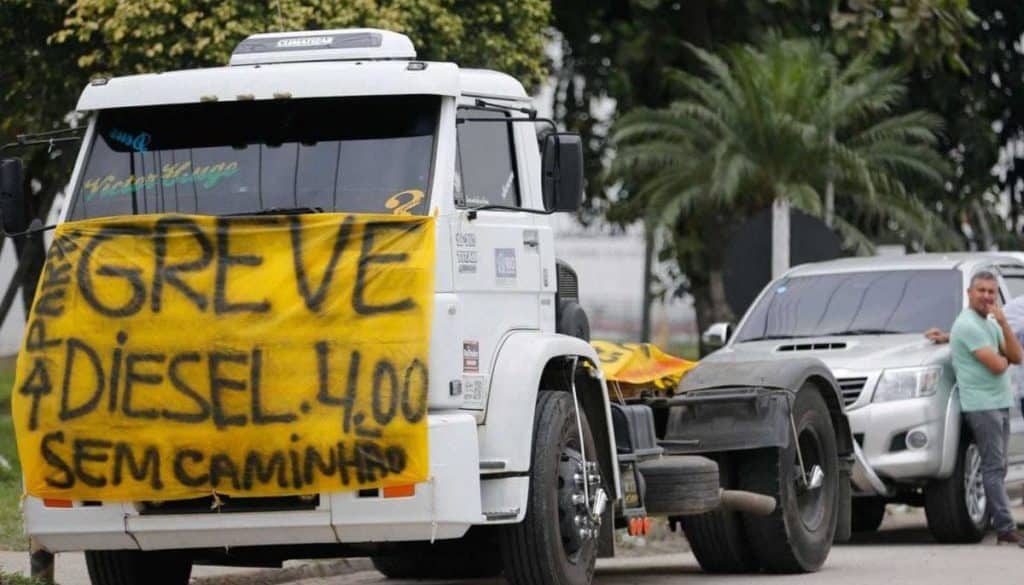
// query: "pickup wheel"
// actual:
[[956, 506], [797, 536], [717, 538], [473, 556], [868, 514], [556, 543], [131, 567]]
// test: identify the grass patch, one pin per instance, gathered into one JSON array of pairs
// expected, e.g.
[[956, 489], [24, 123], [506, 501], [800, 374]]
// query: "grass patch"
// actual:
[[11, 535], [6, 383], [18, 579]]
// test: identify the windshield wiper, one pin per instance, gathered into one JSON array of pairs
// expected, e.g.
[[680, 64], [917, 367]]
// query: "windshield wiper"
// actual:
[[277, 211], [766, 338], [863, 331]]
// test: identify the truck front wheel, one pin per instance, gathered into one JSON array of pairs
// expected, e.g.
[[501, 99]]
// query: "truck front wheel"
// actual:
[[132, 567], [797, 536], [556, 543]]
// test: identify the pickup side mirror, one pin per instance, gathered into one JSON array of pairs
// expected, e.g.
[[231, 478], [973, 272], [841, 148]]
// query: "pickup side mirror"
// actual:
[[562, 171], [717, 335], [13, 205]]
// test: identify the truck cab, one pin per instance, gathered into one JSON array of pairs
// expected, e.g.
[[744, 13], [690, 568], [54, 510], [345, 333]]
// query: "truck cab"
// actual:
[[349, 121]]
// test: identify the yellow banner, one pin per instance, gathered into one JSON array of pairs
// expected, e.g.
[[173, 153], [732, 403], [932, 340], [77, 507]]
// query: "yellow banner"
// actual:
[[641, 364], [177, 356]]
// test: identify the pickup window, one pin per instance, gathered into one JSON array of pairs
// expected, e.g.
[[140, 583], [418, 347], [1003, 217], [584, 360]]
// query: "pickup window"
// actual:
[[856, 303], [334, 154]]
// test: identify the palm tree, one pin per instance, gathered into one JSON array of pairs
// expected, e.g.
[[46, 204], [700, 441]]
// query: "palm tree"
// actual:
[[783, 122]]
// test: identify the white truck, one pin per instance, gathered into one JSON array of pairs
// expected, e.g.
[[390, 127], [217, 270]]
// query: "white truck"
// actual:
[[531, 467]]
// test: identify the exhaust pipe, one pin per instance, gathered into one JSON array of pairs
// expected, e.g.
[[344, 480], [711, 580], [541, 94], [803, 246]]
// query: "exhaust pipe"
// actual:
[[747, 502]]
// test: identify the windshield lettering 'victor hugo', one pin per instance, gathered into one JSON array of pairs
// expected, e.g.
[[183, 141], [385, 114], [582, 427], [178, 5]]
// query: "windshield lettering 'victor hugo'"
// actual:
[[367, 154], [859, 303]]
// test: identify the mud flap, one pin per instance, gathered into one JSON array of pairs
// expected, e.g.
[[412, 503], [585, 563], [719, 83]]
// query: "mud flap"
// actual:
[[844, 524], [730, 419]]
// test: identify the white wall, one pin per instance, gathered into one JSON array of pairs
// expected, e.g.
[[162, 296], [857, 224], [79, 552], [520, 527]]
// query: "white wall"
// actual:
[[610, 269], [10, 330]]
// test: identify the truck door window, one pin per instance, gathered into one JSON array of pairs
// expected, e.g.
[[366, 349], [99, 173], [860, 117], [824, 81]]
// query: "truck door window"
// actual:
[[485, 165], [365, 154]]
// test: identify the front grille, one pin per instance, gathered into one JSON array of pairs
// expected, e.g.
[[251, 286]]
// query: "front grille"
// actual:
[[851, 389], [568, 283]]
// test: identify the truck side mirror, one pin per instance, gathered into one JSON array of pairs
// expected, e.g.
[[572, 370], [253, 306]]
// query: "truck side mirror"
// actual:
[[717, 335], [562, 172], [13, 205]]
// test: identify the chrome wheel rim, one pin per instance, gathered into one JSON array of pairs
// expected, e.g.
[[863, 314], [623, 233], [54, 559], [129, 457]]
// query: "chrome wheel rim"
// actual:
[[974, 487]]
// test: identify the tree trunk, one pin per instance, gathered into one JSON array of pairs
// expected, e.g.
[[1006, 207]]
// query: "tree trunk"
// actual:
[[645, 325], [710, 306]]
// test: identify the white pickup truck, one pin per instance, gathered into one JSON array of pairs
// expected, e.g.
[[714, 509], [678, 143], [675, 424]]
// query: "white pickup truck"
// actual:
[[865, 319], [530, 466]]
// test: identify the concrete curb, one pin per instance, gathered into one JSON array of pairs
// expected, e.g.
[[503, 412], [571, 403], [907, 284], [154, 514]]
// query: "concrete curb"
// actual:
[[305, 570]]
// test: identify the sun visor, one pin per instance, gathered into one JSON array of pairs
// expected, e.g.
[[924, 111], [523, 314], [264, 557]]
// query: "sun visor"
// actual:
[[265, 82]]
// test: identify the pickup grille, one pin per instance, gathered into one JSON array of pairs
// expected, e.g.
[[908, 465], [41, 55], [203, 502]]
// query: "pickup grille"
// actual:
[[851, 389]]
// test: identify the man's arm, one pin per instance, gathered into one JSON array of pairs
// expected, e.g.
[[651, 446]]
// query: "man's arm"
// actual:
[[1010, 346], [993, 360]]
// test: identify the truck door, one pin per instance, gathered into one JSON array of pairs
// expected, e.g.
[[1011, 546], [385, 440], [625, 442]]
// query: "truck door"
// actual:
[[497, 266]]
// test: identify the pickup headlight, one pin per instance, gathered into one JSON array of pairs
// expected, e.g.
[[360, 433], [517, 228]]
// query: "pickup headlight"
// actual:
[[904, 383]]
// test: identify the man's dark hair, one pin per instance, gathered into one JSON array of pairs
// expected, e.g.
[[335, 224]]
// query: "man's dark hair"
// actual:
[[982, 275]]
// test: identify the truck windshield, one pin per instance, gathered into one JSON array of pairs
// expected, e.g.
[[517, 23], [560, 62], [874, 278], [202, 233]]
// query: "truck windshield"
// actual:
[[365, 154], [858, 303]]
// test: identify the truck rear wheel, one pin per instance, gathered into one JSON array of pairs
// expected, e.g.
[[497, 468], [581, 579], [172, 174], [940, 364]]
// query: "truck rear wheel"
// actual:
[[955, 506], [131, 567], [717, 538], [556, 543], [797, 536], [473, 556]]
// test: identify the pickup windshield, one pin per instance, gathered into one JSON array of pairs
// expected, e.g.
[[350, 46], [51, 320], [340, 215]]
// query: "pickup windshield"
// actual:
[[336, 154], [858, 303]]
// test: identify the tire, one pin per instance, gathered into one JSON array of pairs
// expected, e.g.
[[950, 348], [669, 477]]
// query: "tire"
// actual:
[[132, 567], [681, 485], [955, 506], [546, 547], [797, 536], [473, 556], [868, 514], [717, 538]]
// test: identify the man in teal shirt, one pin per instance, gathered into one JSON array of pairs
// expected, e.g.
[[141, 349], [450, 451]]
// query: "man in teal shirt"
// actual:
[[983, 347]]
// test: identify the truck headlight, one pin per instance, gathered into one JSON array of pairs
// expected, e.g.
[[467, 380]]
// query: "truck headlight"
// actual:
[[904, 383]]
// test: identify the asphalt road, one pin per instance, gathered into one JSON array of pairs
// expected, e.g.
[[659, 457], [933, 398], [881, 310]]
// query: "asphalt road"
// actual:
[[901, 553]]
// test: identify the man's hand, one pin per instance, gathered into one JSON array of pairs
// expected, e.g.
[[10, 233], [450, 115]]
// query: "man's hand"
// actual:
[[936, 335], [997, 313], [1010, 348]]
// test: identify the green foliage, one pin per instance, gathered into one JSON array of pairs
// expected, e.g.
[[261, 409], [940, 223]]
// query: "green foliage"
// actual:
[[159, 35], [19, 579], [780, 123], [777, 122], [925, 34]]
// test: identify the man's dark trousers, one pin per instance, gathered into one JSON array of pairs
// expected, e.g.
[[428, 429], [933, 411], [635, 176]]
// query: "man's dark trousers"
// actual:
[[991, 430]]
